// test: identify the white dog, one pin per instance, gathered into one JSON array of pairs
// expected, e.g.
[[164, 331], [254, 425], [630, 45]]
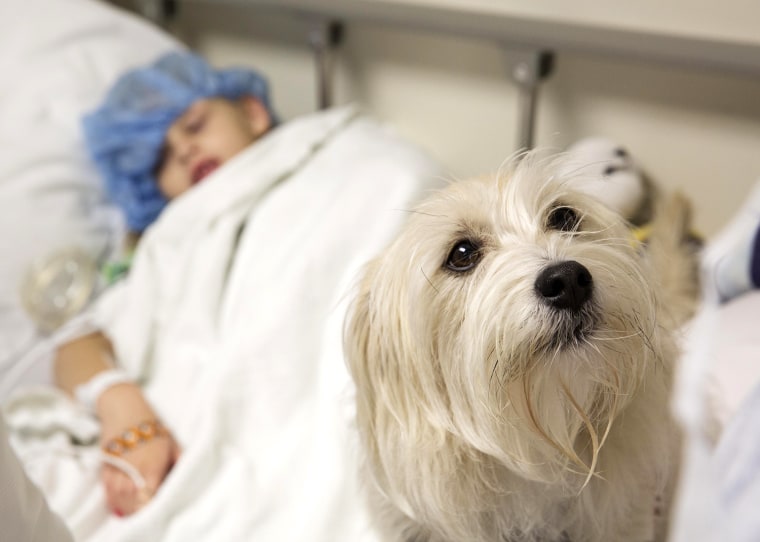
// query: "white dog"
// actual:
[[513, 369]]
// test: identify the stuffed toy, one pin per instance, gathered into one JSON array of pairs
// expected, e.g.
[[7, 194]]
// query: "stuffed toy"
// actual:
[[605, 170], [608, 172]]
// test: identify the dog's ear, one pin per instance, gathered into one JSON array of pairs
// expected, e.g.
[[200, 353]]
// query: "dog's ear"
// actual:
[[379, 355], [673, 250]]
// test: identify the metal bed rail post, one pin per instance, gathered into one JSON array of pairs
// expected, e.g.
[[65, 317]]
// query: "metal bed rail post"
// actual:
[[529, 70], [161, 12], [324, 36]]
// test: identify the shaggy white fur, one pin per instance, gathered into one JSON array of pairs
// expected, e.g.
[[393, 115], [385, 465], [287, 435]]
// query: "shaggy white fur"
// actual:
[[496, 404]]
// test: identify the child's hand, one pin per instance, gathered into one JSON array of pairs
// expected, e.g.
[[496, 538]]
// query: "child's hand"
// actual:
[[153, 460], [121, 408]]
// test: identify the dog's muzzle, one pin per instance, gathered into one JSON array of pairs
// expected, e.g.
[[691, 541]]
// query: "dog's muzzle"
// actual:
[[565, 285]]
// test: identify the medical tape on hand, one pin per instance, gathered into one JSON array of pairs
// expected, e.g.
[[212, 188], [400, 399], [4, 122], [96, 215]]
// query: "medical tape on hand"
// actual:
[[29, 457], [89, 392]]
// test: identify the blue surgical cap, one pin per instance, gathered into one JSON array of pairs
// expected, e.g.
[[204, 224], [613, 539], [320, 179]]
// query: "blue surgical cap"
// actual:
[[126, 133]]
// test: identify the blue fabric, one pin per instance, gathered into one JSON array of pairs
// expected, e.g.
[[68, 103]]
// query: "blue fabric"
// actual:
[[126, 133]]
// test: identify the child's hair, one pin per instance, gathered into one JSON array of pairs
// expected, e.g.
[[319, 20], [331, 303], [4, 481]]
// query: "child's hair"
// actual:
[[126, 133]]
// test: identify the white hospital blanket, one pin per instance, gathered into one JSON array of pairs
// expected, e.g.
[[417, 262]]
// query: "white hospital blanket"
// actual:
[[232, 316], [720, 380]]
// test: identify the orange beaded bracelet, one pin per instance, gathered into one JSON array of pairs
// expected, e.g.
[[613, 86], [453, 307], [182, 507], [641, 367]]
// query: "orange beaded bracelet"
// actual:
[[134, 436]]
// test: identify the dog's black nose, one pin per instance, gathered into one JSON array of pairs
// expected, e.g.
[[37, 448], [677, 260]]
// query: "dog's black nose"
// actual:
[[565, 285]]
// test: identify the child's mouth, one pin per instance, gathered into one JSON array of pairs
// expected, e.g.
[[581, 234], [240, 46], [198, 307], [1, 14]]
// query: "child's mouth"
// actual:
[[203, 169]]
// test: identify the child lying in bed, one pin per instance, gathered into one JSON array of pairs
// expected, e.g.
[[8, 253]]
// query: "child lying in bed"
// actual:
[[161, 130]]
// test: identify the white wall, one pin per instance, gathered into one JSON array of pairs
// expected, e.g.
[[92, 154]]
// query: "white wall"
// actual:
[[693, 130], [734, 19]]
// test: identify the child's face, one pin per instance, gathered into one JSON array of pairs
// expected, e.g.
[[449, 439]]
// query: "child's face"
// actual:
[[204, 137]]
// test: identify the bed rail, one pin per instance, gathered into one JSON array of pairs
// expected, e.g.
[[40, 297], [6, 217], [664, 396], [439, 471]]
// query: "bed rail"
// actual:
[[539, 30]]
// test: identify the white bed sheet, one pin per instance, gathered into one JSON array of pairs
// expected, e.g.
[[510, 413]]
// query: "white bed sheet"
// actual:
[[57, 58], [239, 341], [717, 397]]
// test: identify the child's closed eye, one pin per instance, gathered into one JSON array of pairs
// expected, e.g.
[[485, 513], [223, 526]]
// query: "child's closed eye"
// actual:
[[195, 118], [195, 125]]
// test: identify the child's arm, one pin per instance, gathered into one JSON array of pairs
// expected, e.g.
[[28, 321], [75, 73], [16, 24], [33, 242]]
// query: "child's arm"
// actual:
[[120, 407], [81, 359]]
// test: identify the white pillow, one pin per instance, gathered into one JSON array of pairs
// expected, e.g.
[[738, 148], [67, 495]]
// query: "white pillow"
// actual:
[[57, 59]]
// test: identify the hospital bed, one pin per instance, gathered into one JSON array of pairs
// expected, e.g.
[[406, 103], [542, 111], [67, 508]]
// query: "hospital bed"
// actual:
[[55, 213], [231, 315]]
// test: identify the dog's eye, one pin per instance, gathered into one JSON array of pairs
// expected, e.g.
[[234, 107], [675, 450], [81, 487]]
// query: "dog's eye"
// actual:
[[609, 170], [464, 256], [563, 219]]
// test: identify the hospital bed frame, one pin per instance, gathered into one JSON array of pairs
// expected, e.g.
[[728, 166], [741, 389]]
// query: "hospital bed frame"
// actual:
[[536, 40]]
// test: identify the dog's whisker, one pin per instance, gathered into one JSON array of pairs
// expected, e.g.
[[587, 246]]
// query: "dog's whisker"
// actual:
[[430, 282], [448, 180], [418, 212], [599, 336], [495, 363], [643, 334], [595, 347], [595, 446]]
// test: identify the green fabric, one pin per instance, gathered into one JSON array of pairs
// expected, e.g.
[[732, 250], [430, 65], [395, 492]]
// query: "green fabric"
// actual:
[[116, 270]]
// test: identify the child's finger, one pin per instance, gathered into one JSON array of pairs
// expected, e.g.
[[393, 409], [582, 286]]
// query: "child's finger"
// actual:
[[121, 493], [176, 452]]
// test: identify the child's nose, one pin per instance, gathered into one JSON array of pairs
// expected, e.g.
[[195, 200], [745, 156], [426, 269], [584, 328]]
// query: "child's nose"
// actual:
[[186, 150]]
